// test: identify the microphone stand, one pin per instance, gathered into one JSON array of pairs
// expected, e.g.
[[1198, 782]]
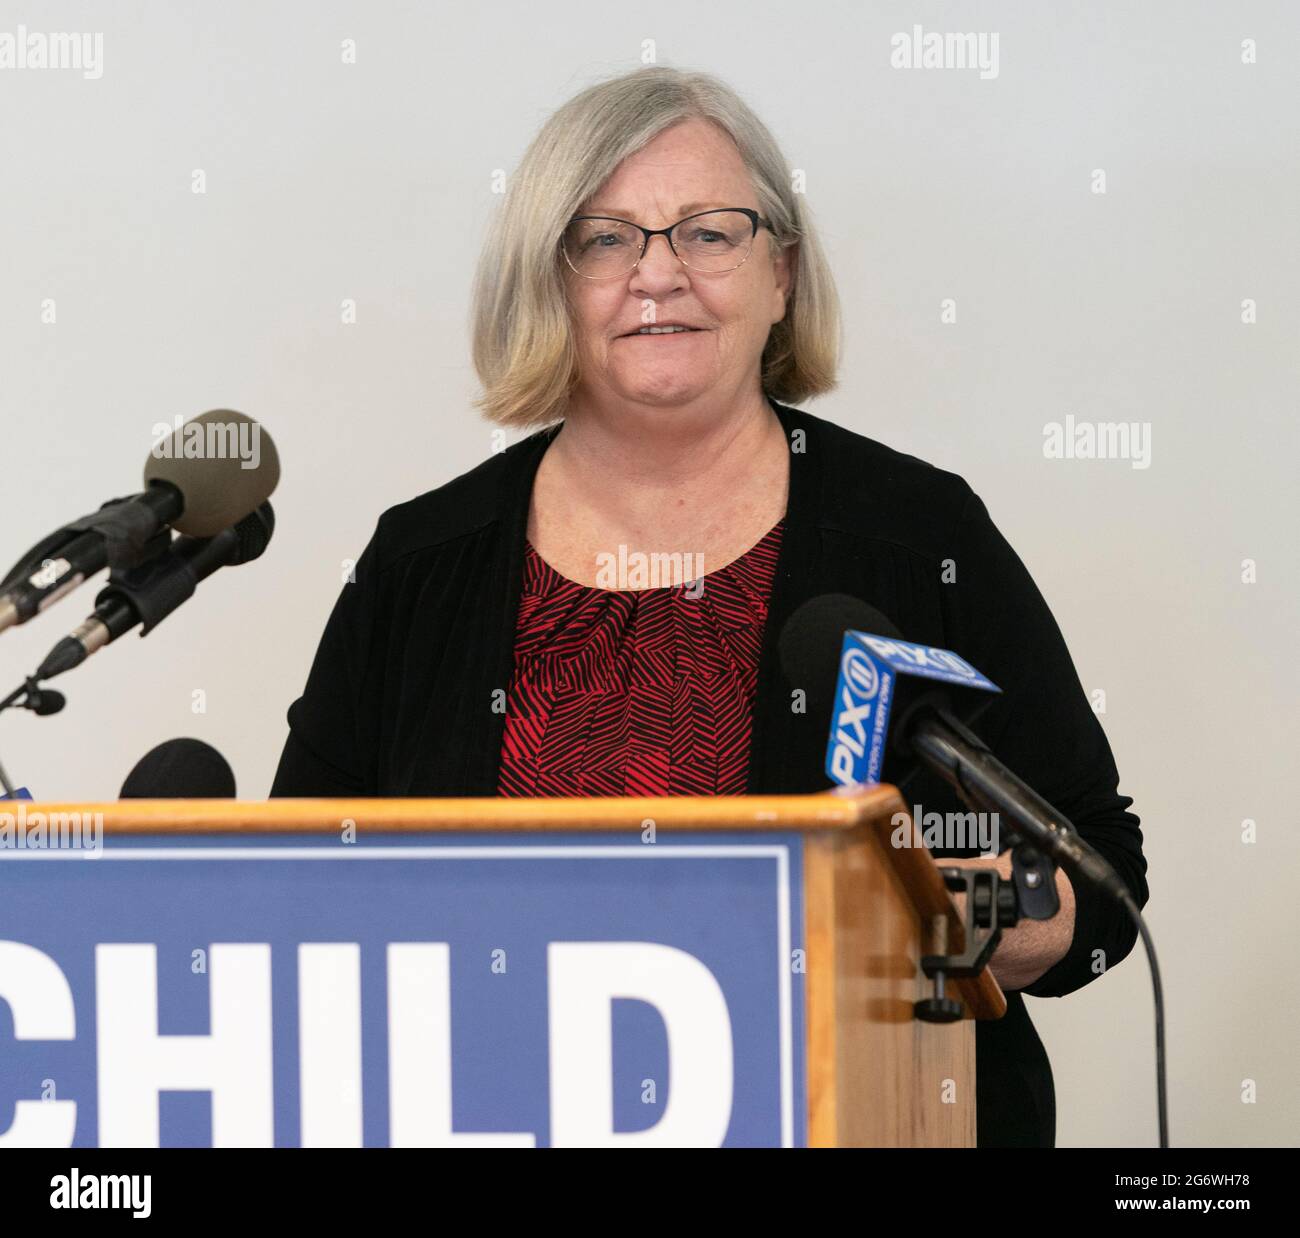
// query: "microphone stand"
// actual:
[[41, 701], [1043, 835]]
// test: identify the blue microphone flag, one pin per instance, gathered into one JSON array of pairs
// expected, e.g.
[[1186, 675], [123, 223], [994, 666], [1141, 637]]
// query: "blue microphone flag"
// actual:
[[873, 670]]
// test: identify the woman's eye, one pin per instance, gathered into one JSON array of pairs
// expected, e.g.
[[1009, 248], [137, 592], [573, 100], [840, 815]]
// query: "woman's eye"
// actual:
[[706, 236]]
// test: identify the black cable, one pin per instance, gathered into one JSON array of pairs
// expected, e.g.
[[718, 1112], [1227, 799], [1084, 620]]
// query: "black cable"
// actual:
[[1157, 991], [12, 699]]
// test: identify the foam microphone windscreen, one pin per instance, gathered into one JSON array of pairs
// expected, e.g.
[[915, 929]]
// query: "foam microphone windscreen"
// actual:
[[223, 463], [813, 637], [180, 769]]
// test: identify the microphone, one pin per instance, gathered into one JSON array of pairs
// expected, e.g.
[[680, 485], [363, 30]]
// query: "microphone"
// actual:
[[149, 593], [867, 679], [43, 701], [180, 769], [207, 475], [879, 675]]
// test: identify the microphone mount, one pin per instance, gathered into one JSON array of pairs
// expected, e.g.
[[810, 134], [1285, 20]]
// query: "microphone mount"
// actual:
[[992, 904], [122, 534]]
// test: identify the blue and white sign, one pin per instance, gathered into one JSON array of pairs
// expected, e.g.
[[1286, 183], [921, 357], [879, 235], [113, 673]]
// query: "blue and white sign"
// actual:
[[871, 668], [421, 991]]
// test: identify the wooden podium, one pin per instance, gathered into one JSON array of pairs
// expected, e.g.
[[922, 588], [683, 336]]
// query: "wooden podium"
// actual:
[[869, 1073]]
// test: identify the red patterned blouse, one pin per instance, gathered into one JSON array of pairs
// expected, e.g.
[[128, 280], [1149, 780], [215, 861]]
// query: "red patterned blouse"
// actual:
[[646, 692]]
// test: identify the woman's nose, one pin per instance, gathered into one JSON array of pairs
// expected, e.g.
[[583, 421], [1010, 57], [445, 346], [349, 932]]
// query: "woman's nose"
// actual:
[[659, 264]]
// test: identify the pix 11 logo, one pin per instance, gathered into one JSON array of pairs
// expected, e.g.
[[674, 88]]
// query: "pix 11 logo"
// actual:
[[873, 669]]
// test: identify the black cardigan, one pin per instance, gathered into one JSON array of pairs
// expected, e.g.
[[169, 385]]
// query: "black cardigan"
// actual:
[[399, 698]]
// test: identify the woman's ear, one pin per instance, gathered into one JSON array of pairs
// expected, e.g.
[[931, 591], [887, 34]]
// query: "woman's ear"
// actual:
[[785, 266]]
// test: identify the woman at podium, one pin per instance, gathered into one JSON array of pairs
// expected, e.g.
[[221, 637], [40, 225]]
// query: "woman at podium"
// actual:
[[595, 610]]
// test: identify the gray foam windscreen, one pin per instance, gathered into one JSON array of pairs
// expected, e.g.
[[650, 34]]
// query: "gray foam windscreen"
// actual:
[[225, 465]]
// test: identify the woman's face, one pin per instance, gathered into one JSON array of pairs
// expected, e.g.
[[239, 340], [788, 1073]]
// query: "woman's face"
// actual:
[[693, 166]]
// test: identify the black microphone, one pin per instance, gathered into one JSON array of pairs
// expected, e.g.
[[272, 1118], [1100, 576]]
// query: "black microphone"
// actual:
[[924, 728], [199, 480], [30, 695], [44, 701], [149, 593], [811, 649], [180, 769]]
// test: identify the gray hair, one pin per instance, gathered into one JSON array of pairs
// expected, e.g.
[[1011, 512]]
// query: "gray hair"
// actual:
[[521, 330]]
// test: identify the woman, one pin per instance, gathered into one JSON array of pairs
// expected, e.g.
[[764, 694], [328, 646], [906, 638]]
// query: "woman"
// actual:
[[654, 296]]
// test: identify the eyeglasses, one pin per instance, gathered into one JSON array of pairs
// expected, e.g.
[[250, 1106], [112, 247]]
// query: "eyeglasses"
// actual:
[[598, 247]]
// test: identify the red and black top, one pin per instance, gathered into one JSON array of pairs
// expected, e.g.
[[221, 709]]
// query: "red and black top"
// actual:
[[636, 692]]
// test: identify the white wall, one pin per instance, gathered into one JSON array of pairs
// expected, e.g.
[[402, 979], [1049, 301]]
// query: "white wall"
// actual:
[[373, 182]]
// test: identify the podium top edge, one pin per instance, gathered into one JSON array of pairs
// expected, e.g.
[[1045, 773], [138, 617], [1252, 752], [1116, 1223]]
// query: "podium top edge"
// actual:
[[838, 809]]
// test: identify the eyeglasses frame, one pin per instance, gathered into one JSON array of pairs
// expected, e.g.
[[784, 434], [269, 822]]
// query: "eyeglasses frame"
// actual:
[[755, 221]]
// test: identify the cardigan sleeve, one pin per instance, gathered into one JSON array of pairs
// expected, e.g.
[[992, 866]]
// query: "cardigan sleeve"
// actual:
[[1043, 728], [331, 749]]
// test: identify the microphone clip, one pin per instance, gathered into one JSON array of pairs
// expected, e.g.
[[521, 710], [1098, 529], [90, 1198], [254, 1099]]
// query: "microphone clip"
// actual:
[[30, 695], [42, 701], [992, 903], [990, 907]]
